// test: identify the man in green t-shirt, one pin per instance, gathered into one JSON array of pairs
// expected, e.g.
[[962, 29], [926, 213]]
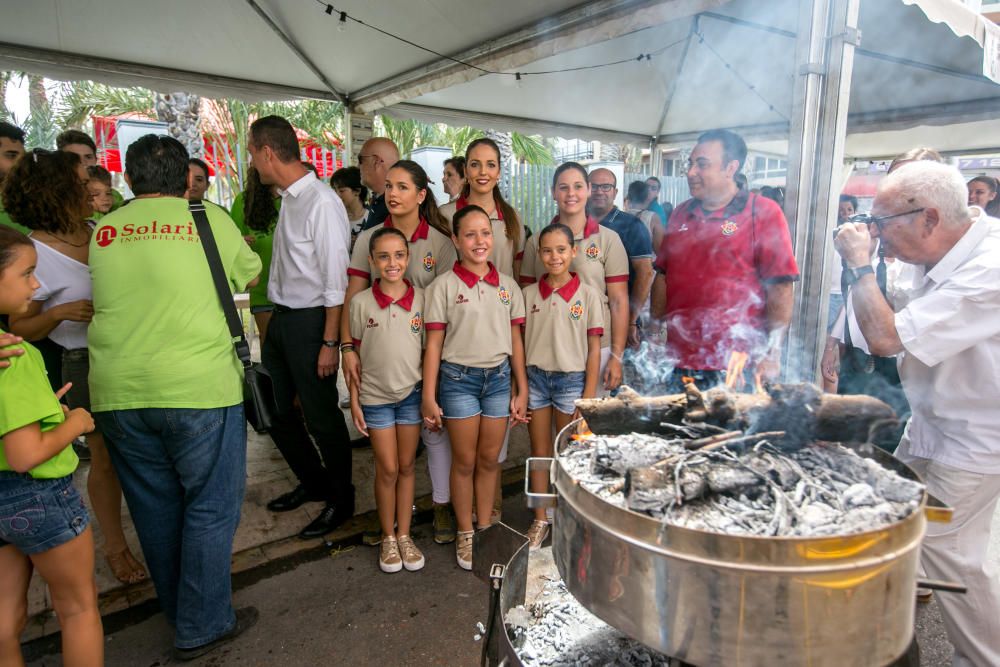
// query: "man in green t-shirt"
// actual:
[[166, 390], [11, 148]]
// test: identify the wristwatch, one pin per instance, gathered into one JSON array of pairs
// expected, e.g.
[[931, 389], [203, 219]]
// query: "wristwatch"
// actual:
[[854, 275], [335, 343]]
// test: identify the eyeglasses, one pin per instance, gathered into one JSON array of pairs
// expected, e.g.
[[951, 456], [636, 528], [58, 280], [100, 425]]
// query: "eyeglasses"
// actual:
[[879, 220], [360, 157], [602, 187]]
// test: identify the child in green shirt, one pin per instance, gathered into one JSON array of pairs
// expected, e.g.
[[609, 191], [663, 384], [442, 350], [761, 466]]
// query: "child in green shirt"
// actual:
[[43, 522]]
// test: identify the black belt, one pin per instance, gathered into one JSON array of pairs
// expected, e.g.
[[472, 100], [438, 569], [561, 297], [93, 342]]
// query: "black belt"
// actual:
[[278, 308]]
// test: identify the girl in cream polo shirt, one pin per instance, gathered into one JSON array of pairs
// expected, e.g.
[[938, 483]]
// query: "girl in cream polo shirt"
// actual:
[[474, 315], [601, 262], [387, 333], [414, 212], [482, 188], [562, 332]]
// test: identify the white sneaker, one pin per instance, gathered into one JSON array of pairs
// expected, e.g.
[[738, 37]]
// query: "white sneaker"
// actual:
[[413, 560], [463, 548], [389, 560]]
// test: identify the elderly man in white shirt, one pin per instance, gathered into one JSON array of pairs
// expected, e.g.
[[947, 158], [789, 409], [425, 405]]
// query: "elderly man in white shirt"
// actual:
[[948, 339], [307, 284]]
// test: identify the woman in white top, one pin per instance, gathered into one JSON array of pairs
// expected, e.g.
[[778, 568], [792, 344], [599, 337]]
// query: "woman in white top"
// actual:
[[46, 192]]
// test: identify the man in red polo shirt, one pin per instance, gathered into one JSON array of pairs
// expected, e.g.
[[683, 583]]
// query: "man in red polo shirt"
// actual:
[[724, 271]]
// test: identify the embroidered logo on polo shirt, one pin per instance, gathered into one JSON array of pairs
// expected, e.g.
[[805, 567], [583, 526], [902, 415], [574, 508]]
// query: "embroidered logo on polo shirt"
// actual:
[[372, 324], [429, 262], [415, 322], [729, 228], [576, 311], [461, 299], [535, 308], [592, 251], [504, 295]]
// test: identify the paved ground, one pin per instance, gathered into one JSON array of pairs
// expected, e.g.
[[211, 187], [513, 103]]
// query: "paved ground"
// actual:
[[333, 607]]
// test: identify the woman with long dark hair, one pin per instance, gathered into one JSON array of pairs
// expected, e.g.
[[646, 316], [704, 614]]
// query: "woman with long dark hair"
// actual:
[[482, 188], [47, 193], [983, 193], [255, 212]]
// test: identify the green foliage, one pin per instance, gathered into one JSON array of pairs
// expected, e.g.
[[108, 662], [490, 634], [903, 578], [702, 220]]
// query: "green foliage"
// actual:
[[531, 150], [409, 134], [79, 100]]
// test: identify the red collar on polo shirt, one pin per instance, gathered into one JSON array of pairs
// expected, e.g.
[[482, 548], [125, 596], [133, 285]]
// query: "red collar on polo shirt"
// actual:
[[591, 228], [462, 202], [566, 291], [418, 234], [470, 278], [384, 300]]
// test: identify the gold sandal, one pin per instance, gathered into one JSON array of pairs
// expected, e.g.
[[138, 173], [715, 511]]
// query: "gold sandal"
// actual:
[[125, 567]]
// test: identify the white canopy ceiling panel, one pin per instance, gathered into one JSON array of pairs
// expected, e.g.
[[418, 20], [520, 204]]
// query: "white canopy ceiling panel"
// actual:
[[920, 62]]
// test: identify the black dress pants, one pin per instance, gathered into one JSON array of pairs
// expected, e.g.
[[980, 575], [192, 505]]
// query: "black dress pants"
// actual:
[[291, 349]]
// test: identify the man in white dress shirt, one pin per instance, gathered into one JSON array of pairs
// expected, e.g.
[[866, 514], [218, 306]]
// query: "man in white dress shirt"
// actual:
[[307, 284], [948, 339]]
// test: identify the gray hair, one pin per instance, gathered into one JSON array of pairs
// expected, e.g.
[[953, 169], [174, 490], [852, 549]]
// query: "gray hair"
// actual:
[[925, 184]]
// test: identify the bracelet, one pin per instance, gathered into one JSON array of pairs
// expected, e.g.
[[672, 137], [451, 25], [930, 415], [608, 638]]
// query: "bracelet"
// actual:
[[618, 357], [345, 347]]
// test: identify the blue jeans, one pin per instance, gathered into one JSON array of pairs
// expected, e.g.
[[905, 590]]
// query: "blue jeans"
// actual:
[[387, 415], [467, 391], [183, 473], [554, 388]]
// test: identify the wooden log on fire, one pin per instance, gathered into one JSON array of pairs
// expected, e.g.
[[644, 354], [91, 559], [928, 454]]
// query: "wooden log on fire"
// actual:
[[801, 409]]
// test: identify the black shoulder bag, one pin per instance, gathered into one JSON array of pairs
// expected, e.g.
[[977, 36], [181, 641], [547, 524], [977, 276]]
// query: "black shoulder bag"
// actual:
[[258, 392]]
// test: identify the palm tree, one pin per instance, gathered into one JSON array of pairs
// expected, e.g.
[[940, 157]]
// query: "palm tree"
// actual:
[[39, 127], [182, 114]]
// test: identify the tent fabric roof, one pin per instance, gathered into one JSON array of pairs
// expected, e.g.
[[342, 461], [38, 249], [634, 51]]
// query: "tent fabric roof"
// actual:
[[225, 48]]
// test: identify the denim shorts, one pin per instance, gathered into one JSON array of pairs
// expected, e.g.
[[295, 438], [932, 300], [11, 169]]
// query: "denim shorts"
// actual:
[[404, 413], [39, 514], [466, 391], [76, 369], [554, 388]]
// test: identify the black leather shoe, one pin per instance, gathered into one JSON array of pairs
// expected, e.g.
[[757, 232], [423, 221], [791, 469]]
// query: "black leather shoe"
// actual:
[[291, 500], [328, 520]]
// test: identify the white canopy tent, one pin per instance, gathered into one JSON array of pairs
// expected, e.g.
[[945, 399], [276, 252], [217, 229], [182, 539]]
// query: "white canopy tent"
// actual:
[[909, 70], [804, 73]]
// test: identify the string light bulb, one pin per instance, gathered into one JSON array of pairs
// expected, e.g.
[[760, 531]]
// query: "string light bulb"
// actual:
[[329, 10], [342, 24], [517, 80], [649, 61]]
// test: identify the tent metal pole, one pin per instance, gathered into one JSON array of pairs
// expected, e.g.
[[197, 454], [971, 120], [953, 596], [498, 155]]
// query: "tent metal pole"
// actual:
[[824, 67], [297, 50]]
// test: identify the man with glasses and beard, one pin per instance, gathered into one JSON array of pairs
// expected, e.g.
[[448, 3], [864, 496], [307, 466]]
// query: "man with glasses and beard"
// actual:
[[947, 333]]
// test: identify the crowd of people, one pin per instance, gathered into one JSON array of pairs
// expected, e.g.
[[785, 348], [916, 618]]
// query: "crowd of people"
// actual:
[[449, 323]]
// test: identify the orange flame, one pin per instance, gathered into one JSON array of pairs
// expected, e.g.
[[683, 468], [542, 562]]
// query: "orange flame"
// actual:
[[734, 370]]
